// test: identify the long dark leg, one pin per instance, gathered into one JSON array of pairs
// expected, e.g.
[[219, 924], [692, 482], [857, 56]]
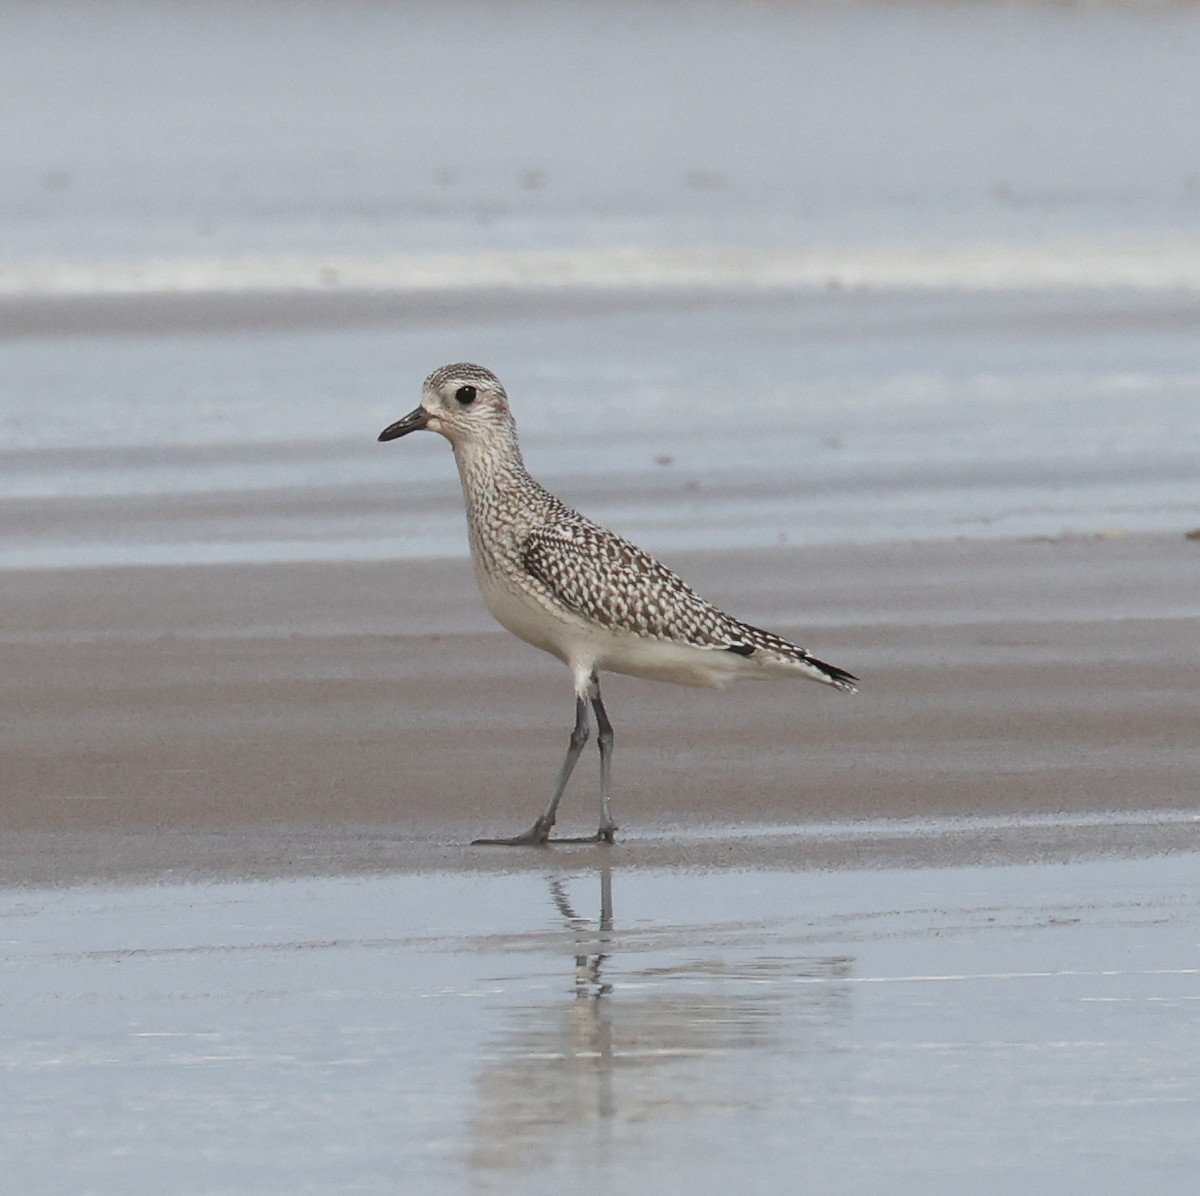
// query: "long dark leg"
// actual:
[[605, 834], [539, 833], [605, 739]]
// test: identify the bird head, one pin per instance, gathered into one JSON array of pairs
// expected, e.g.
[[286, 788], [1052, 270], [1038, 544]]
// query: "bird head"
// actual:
[[463, 402]]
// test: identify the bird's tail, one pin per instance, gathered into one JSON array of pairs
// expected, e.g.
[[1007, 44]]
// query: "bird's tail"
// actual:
[[754, 640], [832, 675]]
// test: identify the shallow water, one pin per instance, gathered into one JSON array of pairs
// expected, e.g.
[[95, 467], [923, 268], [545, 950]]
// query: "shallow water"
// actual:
[[802, 420], [153, 130], [988, 1029], [750, 279]]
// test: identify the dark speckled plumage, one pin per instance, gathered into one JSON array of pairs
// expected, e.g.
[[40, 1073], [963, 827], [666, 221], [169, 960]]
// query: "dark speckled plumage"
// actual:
[[525, 538], [609, 581], [563, 583]]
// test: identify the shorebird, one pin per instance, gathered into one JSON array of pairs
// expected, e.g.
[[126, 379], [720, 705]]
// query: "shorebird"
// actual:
[[578, 591]]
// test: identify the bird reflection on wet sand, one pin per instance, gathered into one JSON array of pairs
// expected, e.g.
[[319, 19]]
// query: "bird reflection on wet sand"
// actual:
[[588, 965], [661, 1022]]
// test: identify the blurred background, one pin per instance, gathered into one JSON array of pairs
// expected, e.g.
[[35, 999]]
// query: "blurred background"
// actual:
[[753, 272]]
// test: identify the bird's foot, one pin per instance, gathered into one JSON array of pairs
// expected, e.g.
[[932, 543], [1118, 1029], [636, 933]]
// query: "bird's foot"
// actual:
[[603, 835], [537, 835]]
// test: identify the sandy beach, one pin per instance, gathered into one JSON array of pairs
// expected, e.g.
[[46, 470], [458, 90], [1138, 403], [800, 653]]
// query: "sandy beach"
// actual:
[[180, 721], [938, 934], [877, 322]]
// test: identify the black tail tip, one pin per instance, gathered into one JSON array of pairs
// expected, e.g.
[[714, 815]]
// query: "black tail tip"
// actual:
[[838, 677]]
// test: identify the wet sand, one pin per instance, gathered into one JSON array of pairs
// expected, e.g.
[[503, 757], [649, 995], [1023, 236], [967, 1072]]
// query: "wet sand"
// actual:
[[601, 1030], [289, 719], [939, 937], [295, 974]]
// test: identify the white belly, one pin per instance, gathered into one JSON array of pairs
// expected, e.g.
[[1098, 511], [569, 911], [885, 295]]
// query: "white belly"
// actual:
[[540, 625], [585, 647]]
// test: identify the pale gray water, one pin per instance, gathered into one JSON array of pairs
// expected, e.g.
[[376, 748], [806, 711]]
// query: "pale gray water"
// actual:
[[1030, 368], [805, 420], [939, 1030], [172, 128]]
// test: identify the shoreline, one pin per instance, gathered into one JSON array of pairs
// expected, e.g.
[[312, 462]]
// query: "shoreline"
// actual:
[[53, 860], [303, 719]]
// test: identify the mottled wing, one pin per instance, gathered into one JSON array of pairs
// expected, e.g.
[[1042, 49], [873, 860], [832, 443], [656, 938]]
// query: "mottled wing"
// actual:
[[609, 581]]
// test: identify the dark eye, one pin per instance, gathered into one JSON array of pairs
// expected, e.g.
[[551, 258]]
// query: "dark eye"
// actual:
[[465, 395]]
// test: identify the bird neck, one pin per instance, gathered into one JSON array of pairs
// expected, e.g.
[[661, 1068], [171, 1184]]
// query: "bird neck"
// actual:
[[504, 504], [490, 457], [486, 467]]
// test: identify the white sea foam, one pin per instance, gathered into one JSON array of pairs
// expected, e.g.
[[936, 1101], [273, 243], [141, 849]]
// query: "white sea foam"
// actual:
[[1171, 264]]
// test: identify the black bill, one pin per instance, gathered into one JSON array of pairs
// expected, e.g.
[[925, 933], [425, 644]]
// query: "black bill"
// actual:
[[414, 421]]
